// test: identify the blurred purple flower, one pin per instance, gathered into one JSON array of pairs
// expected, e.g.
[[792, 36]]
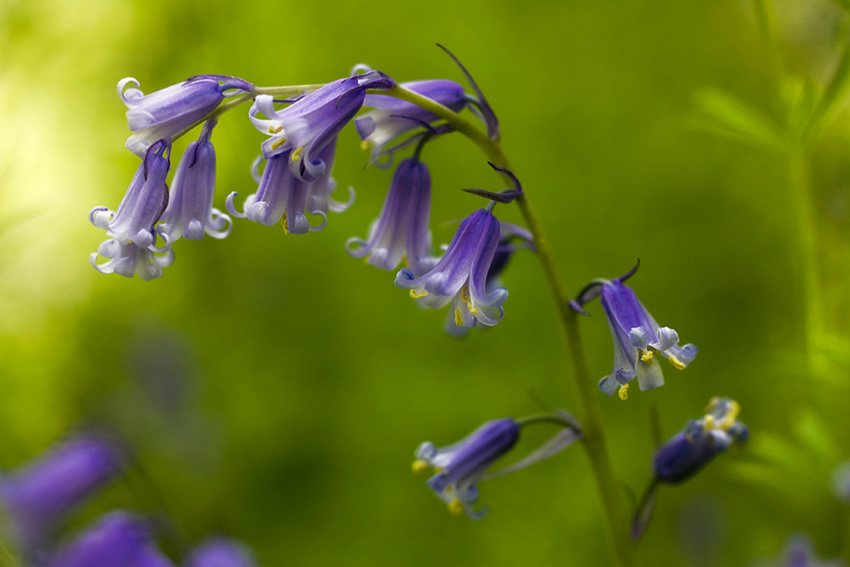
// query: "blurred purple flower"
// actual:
[[118, 540], [38, 497], [393, 117], [637, 337], [401, 230], [460, 276], [220, 552], [162, 114], [799, 552], [304, 128], [190, 212]]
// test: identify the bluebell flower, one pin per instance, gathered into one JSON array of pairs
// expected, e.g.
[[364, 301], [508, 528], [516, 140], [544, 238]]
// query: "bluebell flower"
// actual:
[[117, 540], [221, 552], [694, 447], [128, 260], [511, 239], [460, 276], [142, 205], [401, 230], [38, 497], [162, 114], [461, 466], [637, 337], [305, 127], [280, 197], [393, 117], [319, 196], [799, 552], [190, 212]]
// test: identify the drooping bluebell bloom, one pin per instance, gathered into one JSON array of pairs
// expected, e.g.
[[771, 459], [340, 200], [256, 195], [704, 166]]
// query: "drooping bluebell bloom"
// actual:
[[460, 276], [401, 230], [393, 117], [281, 196], [306, 126], [221, 552], [695, 446], [637, 337], [117, 540], [511, 239], [162, 114], [142, 205], [190, 212], [461, 466], [319, 195], [128, 260], [38, 497]]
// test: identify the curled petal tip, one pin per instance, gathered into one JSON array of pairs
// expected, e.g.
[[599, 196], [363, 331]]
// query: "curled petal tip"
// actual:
[[576, 306]]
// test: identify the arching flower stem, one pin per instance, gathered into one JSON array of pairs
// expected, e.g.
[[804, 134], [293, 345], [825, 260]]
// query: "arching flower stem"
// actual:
[[584, 386]]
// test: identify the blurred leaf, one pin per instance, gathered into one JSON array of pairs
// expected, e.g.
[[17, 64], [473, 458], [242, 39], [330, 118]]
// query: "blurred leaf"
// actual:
[[723, 114]]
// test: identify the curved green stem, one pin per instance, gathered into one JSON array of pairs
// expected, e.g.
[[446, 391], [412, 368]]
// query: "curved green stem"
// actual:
[[584, 386]]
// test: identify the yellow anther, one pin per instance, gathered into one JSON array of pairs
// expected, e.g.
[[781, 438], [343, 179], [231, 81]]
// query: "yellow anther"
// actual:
[[458, 318], [729, 420], [419, 465], [708, 423], [473, 310], [279, 143], [365, 145], [285, 223], [418, 294], [647, 357], [624, 392], [455, 507], [296, 155], [713, 403], [464, 294], [275, 129], [677, 364]]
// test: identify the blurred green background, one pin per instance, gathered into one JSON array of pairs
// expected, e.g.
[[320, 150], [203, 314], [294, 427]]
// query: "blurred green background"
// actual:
[[275, 389]]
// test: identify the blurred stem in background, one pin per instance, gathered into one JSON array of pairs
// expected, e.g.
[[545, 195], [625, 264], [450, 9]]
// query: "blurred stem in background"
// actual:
[[584, 386]]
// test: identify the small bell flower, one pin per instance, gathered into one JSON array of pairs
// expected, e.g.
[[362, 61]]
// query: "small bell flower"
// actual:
[[128, 260], [142, 205], [305, 127], [401, 231], [460, 276], [190, 212], [280, 197], [461, 466], [162, 114], [689, 451], [38, 497], [221, 552], [393, 117], [637, 337]]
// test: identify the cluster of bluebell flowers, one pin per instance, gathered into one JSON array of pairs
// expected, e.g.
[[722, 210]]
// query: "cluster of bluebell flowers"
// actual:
[[40, 498]]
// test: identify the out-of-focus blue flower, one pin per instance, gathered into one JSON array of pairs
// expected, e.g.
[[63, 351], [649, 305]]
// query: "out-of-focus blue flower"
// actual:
[[460, 276], [118, 540], [304, 128], [393, 117], [142, 205], [402, 228], [38, 497], [221, 552], [693, 448], [799, 552], [190, 212], [162, 114], [462, 465], [281, 196], [637, 337], [128, 260], [511, 239]]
